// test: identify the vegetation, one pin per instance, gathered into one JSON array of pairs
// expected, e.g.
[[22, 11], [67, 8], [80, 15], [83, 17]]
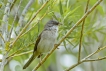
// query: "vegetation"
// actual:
[[80, 44]]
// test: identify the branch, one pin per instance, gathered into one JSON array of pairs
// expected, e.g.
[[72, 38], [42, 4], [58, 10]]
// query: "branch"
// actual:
[[34, 24], [74, 66], [98, 50], [5, 33], [21, 19], [22, 53], [68, 33], [15, 17], [79, 54], [27, 25], [13, 54], [95, 59], [19, 54], [12, 4], [5, 20], [2, 37], [98, 59], [85, 59]]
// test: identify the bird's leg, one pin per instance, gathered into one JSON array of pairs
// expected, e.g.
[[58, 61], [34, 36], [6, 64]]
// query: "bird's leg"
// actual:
[[40, 58], [56, 45]]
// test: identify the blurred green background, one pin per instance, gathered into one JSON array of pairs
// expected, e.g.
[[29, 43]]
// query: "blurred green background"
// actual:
[[67, 12]]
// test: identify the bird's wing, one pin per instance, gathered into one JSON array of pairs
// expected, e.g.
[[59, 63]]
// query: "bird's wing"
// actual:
[[34, 53], [37, 41]]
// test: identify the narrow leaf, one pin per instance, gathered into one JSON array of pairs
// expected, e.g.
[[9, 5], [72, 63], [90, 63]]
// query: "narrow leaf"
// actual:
[[71, 12], [61, 9], [65, 46]]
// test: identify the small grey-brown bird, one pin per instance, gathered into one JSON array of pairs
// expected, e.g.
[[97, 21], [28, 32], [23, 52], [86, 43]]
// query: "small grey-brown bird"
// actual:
[[45, 41]]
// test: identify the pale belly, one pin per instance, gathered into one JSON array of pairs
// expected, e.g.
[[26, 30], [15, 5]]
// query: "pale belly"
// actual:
[[45, 46], [47, 42]]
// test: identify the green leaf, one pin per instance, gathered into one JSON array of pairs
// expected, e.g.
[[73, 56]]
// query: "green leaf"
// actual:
[[69, 42], [54, 15], [0, 5], [75, 45], [64, 42], [92, 2], [2, 21], [100, 9], [104, 33], [68, 3], [60, 7], [70, 13], [95, 37]]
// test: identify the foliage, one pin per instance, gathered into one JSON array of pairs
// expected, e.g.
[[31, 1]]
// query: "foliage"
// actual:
[[18, 40]]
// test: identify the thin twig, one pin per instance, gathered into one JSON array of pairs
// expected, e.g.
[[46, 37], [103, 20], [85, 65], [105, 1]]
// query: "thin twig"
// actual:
[[95, 59], [85, 59], [12, 4], [79, 54], [5, 21], [21, 19], [73, 66], [5, 33], [34, 24], [2, 37], [28, 24], [15, 18], [98, 59], [13, 54], [19, 54], [22, 53], [68, 33], [98, 50]]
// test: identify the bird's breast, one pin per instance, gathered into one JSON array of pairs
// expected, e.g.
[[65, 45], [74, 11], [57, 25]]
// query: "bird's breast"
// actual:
[[47, 41]]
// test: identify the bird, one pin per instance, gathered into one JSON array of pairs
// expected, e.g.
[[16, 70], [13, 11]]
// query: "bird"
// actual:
[[45, 41]]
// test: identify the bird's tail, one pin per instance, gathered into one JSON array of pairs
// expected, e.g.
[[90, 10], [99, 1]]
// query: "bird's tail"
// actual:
[[29, 61]]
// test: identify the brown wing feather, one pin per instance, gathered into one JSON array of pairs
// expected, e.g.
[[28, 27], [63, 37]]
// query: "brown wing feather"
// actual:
[[37, 41], [34, 55]]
